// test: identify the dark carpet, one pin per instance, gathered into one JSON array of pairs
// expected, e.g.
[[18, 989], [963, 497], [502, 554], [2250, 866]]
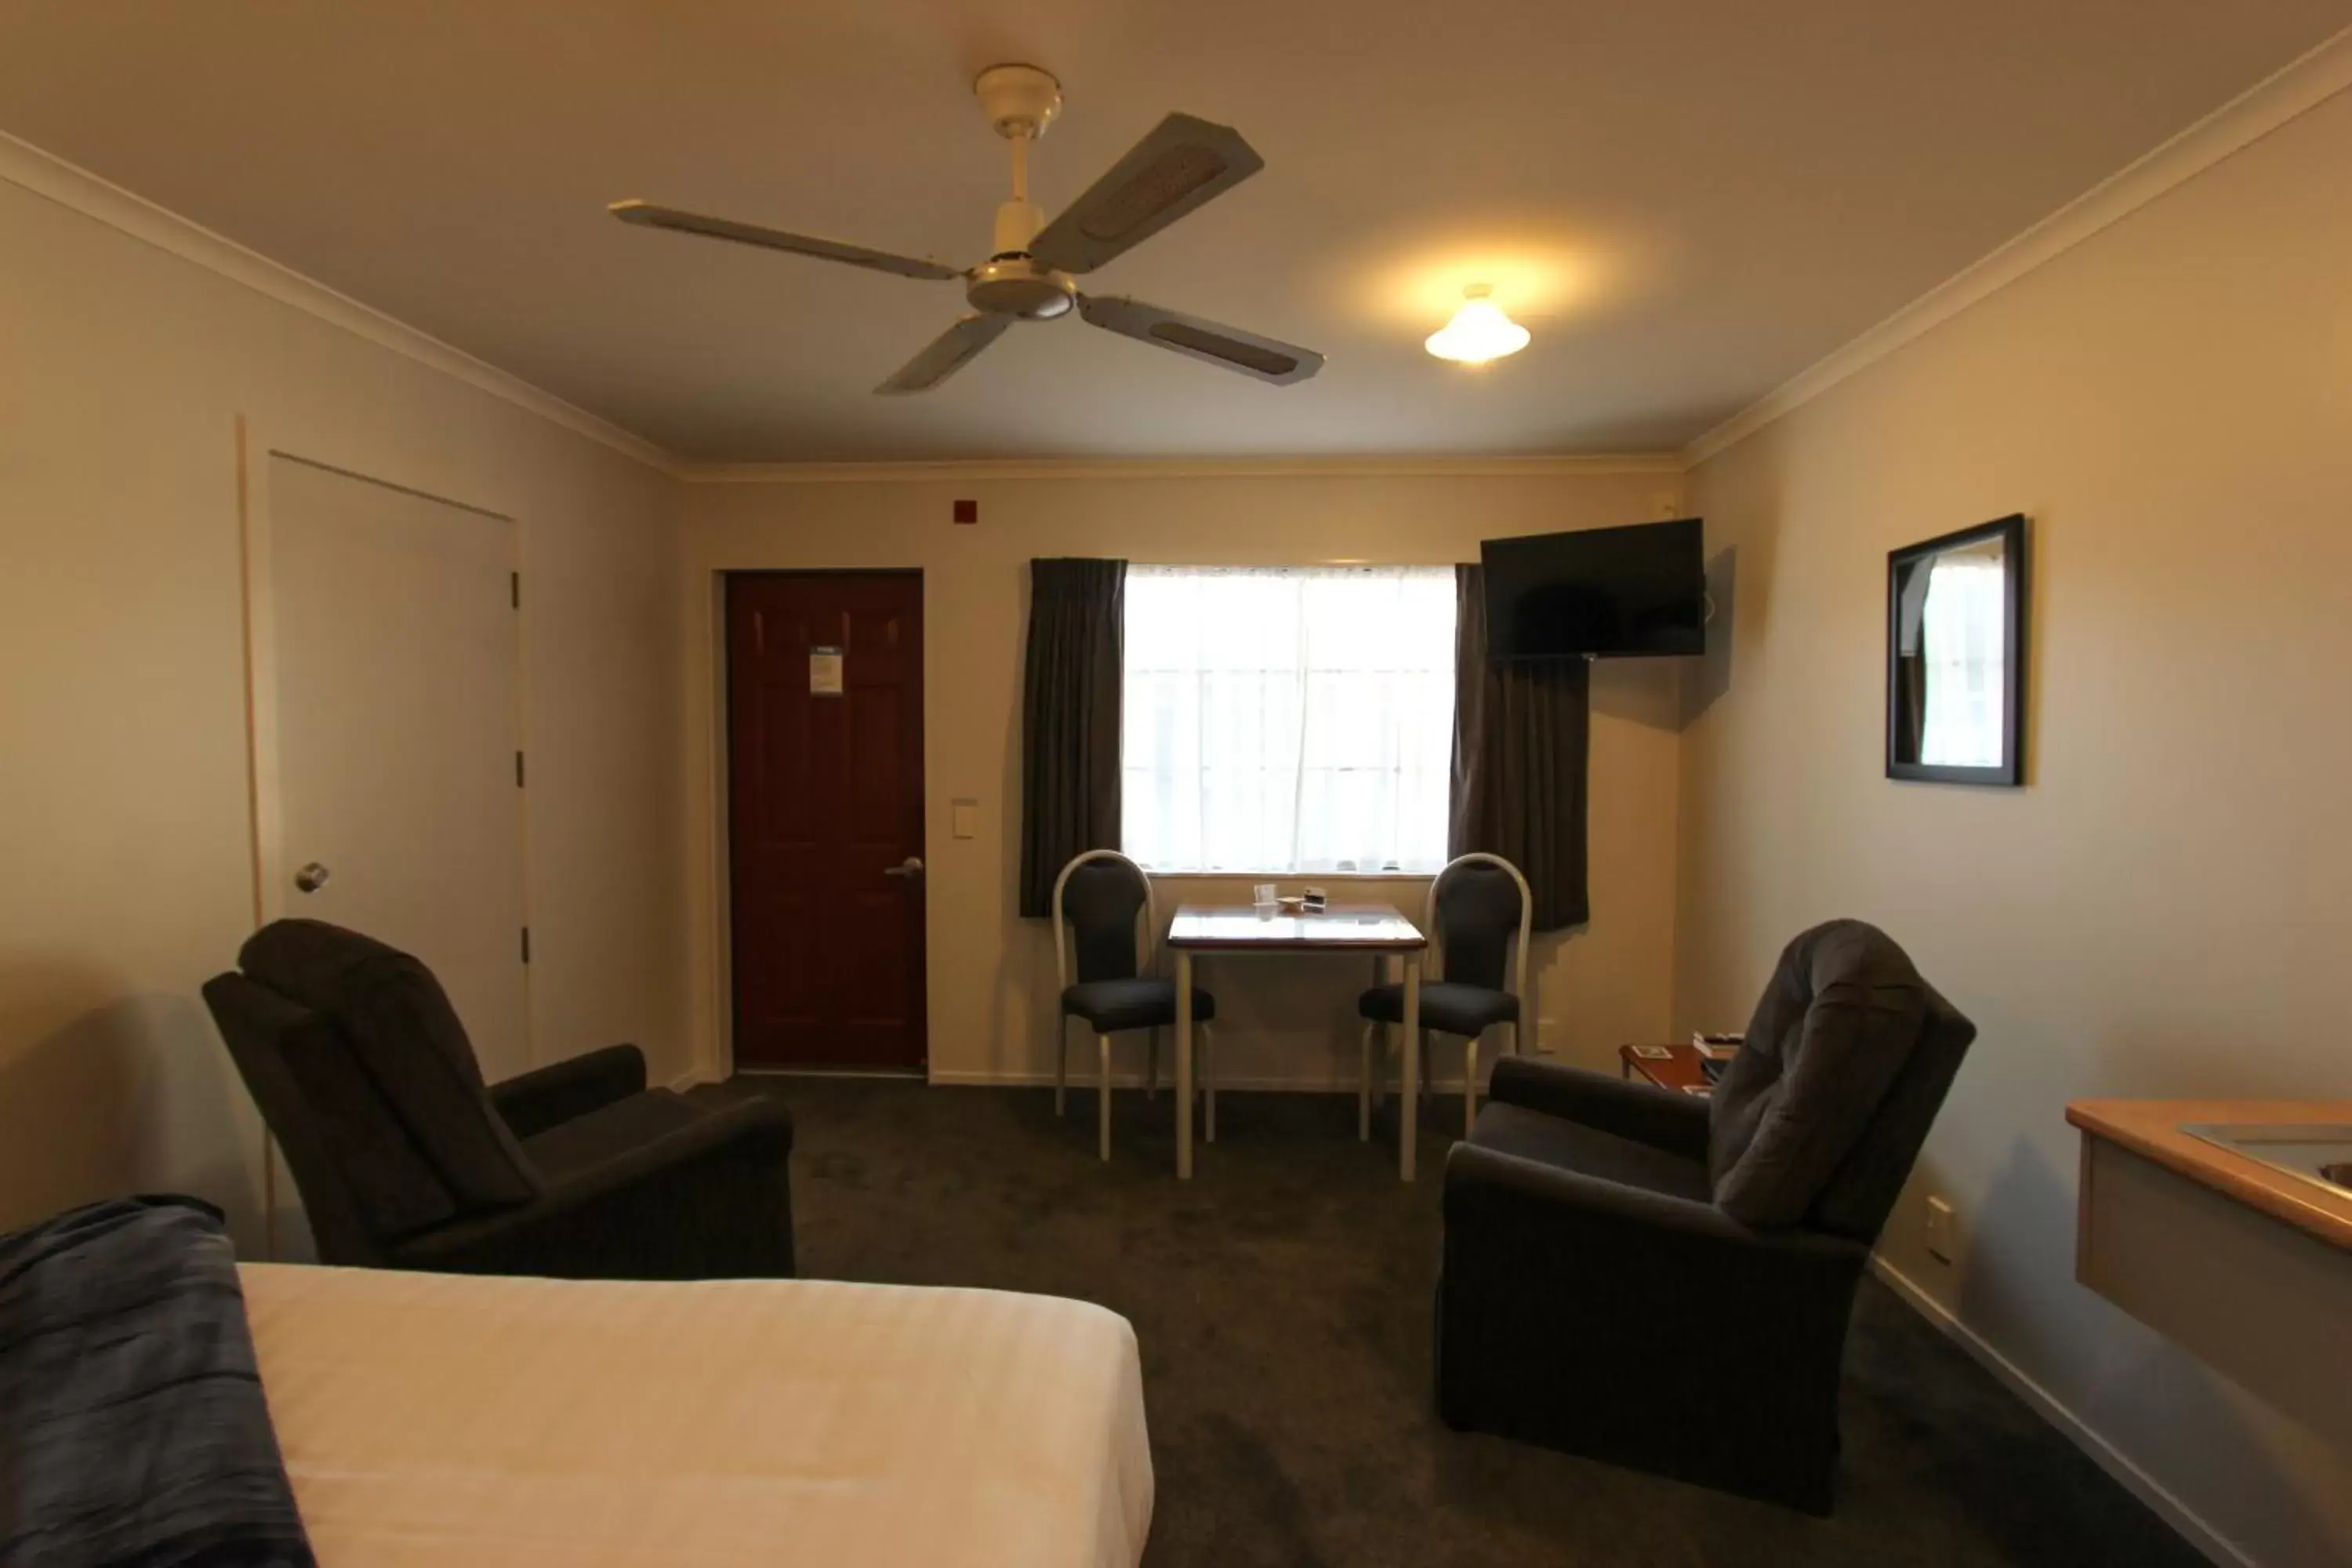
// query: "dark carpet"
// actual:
[[1282, 1301]]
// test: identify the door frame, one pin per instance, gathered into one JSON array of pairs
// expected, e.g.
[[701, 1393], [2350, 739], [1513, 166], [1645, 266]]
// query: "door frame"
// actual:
[[264, 766], [720, 909]]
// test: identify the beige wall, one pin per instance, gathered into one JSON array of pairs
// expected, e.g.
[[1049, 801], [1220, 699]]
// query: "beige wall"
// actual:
[[2167, 908], [125, 862], [992, 974]]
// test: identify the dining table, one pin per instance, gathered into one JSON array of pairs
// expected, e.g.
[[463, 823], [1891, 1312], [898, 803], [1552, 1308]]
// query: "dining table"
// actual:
[[1379, 930]]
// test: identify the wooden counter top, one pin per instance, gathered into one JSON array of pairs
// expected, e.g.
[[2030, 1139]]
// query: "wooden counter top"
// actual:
[[2151, 1128]]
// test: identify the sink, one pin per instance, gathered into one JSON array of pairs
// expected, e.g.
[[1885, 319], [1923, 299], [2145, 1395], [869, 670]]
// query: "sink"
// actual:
[[2317, 1152]]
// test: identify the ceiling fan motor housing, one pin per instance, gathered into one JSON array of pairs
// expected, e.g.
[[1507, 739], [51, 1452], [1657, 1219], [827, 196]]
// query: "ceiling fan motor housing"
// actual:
[[1016, 285], [1019, 99]]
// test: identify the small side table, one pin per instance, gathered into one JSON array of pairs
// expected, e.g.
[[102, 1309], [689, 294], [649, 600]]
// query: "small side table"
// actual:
[[1681, 1068]]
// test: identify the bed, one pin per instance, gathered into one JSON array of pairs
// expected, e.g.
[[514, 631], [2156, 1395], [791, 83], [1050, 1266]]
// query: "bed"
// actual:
[[453, 1420]]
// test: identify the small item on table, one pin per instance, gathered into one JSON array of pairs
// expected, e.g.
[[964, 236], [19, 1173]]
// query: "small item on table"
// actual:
[[1262, 897], [1718, 1048], [1293, 903], [1315, 902], [1654, 1053]]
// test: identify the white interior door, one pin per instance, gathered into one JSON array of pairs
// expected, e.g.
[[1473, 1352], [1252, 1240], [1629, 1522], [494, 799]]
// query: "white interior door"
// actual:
[[398, 721]]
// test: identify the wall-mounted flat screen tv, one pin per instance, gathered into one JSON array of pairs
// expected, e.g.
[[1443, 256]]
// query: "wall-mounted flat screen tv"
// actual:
[[1601, 593]]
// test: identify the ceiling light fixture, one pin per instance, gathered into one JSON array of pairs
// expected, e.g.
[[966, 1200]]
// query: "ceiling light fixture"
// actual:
[[1479, 331]]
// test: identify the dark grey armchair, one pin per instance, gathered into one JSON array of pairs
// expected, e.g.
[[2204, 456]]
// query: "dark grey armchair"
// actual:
[[406, 1159], [1642, 1276]]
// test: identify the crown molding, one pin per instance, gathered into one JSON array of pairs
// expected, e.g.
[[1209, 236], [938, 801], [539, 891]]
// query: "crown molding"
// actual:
[[982, 470], [77, 189], [2302, 85]]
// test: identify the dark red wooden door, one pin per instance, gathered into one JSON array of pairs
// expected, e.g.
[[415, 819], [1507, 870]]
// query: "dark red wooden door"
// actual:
[[825, 808]]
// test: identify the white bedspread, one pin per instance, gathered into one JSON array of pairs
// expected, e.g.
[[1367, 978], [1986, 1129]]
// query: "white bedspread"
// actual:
[[436, 1419]]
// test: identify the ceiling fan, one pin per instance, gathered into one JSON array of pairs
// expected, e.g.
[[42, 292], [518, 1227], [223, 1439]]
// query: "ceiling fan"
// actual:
[[1182, 164]]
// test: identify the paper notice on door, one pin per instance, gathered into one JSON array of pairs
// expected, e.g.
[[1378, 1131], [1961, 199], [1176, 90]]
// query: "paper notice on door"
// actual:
[[824, 672]]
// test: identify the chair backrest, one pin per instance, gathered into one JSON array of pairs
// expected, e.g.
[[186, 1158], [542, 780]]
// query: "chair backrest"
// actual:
[[1818, 1119], [1478, 914], [263, 1030], [1097, 898], [367, 1080]]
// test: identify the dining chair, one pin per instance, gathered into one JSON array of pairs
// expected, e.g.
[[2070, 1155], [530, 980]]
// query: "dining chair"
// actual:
[[1103, 901], [1477, 920]]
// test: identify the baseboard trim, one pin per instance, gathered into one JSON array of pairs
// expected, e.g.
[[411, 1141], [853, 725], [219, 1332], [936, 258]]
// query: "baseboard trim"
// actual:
[[2184, 1519], [1082, 1076], [887, 1075]]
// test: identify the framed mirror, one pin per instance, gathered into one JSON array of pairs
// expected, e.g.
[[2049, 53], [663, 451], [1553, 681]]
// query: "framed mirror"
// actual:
[[1956, 657]]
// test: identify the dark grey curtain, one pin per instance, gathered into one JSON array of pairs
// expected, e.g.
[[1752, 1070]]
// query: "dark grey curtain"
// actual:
[[1522, 732], [1070, 719]]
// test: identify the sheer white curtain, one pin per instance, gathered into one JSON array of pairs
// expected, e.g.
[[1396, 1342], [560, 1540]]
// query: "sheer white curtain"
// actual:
[[1964, 648], [1288, 719]]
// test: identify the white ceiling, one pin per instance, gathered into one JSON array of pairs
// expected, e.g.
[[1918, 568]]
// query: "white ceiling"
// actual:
[[1687, 200]]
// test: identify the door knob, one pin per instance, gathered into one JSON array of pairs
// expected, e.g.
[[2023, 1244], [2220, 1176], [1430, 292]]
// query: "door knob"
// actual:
[[312, 878], [912, 866]]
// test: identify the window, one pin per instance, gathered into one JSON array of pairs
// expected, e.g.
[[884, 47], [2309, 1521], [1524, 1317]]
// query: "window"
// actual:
[[1288, 719]]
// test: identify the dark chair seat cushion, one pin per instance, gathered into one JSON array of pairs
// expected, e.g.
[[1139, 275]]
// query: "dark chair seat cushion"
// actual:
[[1111, 1005], [1452, 1008], [1571, 1145], [584, 1143]]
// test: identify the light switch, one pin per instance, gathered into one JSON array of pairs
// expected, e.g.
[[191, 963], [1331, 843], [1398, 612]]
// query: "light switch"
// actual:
[[963, 818]]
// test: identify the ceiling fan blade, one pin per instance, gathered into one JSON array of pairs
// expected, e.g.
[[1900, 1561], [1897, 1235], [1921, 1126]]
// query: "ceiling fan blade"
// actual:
[[1182, 163], [647, 216], [1268, 359], [946, 354]]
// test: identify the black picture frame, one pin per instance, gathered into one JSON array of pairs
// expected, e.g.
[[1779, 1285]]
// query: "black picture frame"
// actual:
[[1902, 723]]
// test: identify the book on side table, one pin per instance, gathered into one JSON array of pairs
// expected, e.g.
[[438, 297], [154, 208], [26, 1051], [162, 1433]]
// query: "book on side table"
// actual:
[[1679, 1066]]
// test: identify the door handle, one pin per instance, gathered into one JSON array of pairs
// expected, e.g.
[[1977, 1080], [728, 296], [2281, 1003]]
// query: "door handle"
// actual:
[[312, 878], [912, 866]]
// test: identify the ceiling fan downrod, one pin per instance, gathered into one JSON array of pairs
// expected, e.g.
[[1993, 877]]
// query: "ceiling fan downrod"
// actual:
[[1021, 101]]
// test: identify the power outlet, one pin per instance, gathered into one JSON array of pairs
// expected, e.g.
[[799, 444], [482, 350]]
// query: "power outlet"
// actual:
[[1943, 1245], [1547, 1036]]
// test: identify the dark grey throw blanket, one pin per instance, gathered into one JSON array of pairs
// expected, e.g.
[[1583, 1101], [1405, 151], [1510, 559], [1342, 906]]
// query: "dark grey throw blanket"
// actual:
[[132, 1427]]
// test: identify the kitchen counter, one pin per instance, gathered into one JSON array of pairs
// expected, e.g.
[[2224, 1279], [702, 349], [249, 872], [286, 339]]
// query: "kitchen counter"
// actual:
[[2151, 1129], [2247, 1268]]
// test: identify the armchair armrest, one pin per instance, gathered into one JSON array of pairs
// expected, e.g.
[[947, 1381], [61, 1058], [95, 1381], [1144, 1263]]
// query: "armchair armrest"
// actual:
[[1533, 1252], [1662, 1117], [548, 1097], [1570, 1205], [1641, 1328], [711, 1200]]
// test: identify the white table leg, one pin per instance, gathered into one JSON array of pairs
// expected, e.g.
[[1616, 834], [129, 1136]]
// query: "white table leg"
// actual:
[[1409, 1097], [1183, 1064]]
